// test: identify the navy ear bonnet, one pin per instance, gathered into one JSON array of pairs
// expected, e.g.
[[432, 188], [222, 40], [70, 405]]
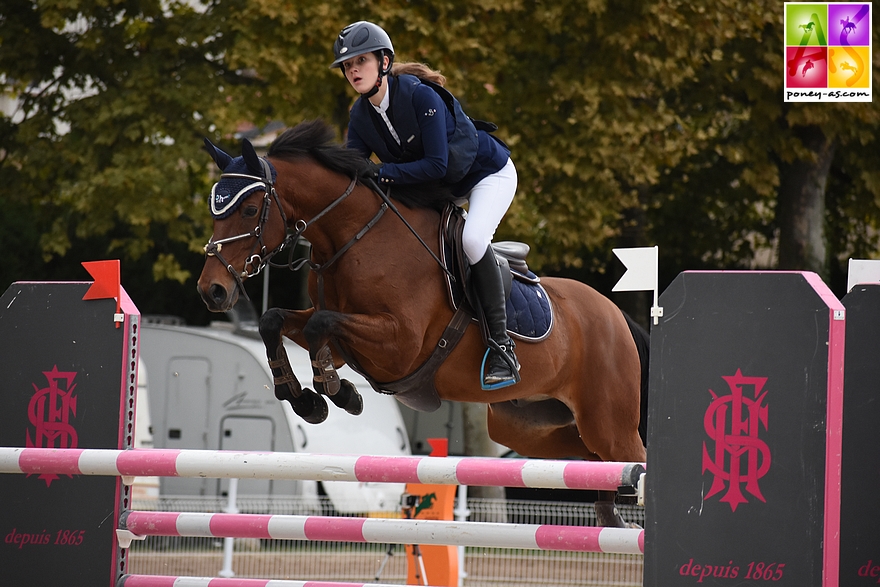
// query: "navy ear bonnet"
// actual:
[[228, 193]]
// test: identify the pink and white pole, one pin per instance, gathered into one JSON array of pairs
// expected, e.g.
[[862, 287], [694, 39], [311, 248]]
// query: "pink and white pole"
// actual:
[[477, 471], [386, 531], [166, 581]]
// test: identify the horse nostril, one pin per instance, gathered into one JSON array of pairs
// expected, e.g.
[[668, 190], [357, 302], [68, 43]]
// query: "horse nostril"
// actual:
[[218, 293]]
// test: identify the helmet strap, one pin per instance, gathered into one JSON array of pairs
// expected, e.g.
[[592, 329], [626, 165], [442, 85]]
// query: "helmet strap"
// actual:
[[375, 88]]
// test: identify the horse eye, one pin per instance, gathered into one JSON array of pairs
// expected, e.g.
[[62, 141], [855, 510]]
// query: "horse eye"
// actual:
[[249, 211]]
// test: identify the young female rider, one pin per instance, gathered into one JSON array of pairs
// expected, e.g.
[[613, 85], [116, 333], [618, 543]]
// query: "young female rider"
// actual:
[[419, 132]]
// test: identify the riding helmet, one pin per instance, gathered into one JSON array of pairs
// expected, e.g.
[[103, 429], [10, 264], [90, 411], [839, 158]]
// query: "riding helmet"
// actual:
[[359, 38]]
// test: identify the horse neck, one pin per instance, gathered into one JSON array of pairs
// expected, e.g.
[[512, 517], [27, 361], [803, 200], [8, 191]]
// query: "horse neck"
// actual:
[[388, 258], [307, 189]]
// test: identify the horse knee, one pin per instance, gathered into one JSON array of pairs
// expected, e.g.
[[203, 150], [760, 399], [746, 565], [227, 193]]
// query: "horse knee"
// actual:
[[271, 324], [320, 327]]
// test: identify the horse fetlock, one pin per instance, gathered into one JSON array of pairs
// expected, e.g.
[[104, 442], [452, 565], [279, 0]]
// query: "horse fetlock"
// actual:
[[607, 515]]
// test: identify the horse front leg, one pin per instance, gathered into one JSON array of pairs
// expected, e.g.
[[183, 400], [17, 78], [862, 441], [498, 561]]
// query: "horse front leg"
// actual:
[[274, 324], [386, 349]]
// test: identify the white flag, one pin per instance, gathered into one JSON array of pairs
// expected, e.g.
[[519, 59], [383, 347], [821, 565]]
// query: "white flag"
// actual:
[[862, 271], [641, 269]]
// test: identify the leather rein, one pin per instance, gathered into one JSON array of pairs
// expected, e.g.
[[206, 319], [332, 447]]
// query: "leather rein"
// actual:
[[257, 261]]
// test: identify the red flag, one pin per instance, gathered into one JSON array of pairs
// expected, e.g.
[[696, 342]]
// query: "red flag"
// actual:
[[107, 281], [439, 447]]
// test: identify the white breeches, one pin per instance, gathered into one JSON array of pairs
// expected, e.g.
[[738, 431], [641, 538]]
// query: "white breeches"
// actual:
[[488, 203]]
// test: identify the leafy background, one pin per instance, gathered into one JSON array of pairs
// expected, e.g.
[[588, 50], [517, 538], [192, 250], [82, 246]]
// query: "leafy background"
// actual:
[[632, 123]]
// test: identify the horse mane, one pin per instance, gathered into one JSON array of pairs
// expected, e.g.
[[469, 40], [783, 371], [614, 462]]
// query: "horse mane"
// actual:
[[317, 139]]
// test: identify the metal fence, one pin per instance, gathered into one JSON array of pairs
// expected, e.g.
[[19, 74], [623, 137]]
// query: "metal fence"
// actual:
[[361, 563]]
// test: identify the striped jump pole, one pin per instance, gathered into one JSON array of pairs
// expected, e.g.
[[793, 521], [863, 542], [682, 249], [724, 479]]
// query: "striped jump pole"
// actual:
[[166, 581], [474, 471], [386, 531]]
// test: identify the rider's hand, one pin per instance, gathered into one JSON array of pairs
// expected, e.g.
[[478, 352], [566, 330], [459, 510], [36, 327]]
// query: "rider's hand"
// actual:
[[371, 171]]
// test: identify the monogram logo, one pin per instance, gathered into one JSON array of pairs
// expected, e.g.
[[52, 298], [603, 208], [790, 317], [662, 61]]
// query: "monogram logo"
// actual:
[[49, 412], [734, 422]]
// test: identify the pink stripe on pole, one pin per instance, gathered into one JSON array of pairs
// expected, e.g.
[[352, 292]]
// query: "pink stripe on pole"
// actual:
[[155, 462], [593, 474], [63, 461], [387, 469], [153, 523], [642, 541], [166, 581], [491, 472], [148, 581], [572, 538], [240, 525], [346, 529]]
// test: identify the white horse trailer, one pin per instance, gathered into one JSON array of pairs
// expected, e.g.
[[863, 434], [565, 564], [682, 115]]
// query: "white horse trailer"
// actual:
[[211, 388]]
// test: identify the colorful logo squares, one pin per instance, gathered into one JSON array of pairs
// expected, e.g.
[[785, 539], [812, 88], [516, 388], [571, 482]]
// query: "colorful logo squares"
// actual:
[[828, 51]]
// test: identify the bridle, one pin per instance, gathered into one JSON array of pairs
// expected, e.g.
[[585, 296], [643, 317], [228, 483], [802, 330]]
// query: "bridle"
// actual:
[[257, 261]]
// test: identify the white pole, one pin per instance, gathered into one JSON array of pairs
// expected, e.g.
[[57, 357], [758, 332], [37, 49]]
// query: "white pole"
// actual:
[[461, 515], [229, 543], [265, 289]]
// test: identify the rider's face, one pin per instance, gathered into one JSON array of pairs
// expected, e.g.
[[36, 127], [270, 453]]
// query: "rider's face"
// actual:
[[362, 72]]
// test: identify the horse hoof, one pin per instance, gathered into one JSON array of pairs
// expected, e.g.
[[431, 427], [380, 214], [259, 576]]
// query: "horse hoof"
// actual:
[[607, 515], [310, 406], [348, 398], [355, 403]]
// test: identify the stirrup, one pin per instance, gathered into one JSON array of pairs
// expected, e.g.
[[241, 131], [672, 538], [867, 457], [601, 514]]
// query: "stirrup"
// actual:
[[510, 362]]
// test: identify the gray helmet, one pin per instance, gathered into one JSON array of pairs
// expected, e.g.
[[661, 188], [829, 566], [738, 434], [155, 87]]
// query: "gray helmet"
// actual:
[[359, 38]]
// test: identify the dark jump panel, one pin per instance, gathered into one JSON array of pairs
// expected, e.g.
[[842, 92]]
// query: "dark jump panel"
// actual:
[[64, 365], [859, 509], [739, 430]]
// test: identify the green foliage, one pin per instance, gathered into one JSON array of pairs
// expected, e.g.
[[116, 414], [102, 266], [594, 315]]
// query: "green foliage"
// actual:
[[669, 107]]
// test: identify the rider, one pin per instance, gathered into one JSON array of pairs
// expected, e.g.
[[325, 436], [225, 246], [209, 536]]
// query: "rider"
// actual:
[[419, 132]]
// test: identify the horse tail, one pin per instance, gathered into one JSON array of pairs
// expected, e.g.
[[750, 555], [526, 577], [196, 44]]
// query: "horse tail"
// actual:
[[643, 344]]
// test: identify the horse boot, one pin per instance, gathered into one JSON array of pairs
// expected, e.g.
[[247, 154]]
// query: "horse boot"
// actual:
[[500, 367]]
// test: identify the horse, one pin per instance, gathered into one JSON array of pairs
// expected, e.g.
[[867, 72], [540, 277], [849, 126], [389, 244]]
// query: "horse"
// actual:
[[380, 304]]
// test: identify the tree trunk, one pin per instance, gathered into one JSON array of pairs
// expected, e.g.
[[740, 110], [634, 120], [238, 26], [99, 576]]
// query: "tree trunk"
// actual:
[[800, 208]]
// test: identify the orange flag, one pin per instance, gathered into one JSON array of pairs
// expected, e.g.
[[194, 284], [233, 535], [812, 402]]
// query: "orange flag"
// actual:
[[107, 281]]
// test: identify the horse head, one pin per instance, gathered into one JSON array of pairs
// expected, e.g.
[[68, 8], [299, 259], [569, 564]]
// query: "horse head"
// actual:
[[247, 231]]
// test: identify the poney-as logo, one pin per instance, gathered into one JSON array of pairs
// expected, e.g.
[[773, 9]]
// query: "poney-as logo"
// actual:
[[50, 411], [827, 52], [736, 455]]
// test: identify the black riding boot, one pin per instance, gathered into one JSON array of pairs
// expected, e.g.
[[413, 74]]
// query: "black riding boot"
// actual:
[[501, 367]]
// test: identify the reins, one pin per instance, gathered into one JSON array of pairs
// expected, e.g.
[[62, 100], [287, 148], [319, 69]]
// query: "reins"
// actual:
[[258, 261]]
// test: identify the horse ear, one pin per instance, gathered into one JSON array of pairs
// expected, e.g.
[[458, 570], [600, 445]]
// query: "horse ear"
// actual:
[[220, 158], [251, 159]]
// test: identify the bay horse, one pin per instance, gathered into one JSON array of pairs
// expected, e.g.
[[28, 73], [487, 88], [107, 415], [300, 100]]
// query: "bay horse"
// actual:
[[380, 304]]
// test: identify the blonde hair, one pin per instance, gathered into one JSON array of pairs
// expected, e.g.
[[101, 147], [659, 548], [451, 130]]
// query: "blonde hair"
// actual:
[[420, 70]]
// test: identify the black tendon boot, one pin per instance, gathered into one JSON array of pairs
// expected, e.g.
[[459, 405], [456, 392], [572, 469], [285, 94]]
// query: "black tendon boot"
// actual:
[[500, 365]]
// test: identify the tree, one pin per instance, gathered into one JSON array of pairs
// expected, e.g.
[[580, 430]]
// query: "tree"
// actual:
[[112, 100], [630, 122]]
